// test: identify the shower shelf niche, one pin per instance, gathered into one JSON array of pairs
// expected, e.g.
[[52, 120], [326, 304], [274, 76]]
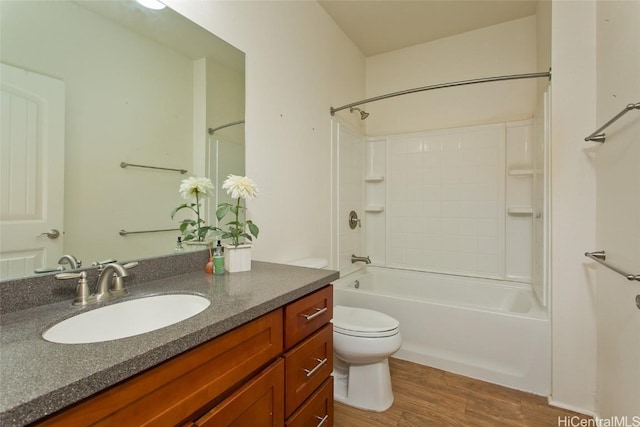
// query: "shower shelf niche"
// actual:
[[374, 209], [374, 178], [520, 210], [522, 172]]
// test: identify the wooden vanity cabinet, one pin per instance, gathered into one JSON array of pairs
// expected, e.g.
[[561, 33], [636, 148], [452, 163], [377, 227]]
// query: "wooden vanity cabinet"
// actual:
[[241, 378], [173, 391]]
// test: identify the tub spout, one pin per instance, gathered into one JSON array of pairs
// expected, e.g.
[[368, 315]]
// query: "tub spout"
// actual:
[[364, 259]]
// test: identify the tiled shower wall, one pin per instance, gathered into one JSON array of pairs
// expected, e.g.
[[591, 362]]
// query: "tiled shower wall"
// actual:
[[458, 201], [446, 201]]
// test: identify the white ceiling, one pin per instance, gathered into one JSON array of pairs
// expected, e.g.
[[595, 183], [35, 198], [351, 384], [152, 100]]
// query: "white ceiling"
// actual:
[[379, 26]]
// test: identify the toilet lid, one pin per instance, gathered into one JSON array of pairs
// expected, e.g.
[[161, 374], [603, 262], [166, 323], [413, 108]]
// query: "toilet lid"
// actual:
[[362, 322]]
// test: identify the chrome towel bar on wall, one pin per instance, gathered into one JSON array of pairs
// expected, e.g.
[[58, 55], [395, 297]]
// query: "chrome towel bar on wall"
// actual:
[[597, 136], [125, 232], [600, 257], [125, 164]]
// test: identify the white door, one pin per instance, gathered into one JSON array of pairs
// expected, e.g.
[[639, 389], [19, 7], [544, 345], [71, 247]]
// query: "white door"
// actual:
[[32, 171]]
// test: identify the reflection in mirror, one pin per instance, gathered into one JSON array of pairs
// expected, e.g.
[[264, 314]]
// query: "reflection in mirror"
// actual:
[[87, 86]]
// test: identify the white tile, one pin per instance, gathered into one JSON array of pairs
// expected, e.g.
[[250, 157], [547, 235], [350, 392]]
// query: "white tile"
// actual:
[[450, 192], [414, 145], [432, 225], [487, 245], [468, 227], [449, 260], [450, 226], [431, 192], [468, 262], [487, 227], [450, 209], [468, 244], [431, 177], [449, 243], [431, 242], [431, 159]]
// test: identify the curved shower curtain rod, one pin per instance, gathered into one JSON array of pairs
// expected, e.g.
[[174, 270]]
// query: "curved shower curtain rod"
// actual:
[[444, 85]]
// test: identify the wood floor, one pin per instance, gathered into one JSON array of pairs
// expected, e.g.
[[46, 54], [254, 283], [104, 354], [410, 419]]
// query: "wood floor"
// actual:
[[426, 397]]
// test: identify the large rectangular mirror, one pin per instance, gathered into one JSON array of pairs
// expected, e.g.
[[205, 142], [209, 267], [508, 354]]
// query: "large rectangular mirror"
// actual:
[[87, 86]]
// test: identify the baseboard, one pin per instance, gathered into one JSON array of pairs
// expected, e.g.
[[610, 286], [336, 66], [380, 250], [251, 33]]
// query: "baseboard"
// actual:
[[572, 408]]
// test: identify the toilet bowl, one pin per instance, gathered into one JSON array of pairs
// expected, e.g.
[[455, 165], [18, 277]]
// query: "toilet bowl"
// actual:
[[362, 342]]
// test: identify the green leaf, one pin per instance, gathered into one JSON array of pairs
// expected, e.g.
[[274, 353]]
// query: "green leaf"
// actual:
[[173, 212], [253, 229], [222, 210]]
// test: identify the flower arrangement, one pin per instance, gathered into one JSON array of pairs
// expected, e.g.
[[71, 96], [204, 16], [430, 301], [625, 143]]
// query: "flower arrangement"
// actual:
[[238, 187], [197, 188]]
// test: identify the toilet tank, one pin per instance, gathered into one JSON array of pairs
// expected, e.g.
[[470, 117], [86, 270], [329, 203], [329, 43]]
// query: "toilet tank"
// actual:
[[311, 263]]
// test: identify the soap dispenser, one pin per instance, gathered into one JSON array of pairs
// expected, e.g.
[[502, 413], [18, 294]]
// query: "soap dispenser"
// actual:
[[179, 247], [218, 260]]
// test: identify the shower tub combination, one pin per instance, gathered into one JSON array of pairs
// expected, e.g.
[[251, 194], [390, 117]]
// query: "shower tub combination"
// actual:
[[486, 329]]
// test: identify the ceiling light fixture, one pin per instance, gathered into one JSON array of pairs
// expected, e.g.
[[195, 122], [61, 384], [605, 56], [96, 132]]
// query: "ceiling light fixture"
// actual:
[[152, 4]]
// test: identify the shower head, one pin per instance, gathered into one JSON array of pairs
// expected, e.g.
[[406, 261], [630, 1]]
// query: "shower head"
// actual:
[[363, 114]]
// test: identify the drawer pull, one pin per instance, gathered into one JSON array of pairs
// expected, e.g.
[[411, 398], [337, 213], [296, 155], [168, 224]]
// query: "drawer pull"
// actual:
[[321, 363], [322, 420], [318, 312]]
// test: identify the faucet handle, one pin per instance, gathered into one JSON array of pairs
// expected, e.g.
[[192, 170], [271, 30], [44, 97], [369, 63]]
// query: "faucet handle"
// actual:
[[101, 264], [82, 288], [131, 264]]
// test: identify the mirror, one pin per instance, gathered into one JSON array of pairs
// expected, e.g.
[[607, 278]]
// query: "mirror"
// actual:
[[131, 85]]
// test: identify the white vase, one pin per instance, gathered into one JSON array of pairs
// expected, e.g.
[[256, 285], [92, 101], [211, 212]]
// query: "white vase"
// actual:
[[237, 258], [194, 245]]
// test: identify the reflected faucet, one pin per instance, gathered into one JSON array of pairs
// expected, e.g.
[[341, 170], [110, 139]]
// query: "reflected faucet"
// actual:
[[73, 262], [364, 259]]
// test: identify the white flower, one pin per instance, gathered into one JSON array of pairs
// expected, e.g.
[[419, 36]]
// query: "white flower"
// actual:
[[190, 186], [240, 186]]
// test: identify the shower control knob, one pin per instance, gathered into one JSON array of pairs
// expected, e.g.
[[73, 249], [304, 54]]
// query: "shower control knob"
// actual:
[[354, 221]]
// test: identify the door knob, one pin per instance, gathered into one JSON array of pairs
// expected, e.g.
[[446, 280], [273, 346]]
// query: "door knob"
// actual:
[[52, 234]]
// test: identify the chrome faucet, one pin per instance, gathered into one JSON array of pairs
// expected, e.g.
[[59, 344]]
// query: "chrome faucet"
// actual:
[[364, 259], [73, 262], [110, 283]]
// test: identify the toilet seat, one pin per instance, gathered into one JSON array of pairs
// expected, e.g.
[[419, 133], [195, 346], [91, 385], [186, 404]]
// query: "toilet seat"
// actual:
[[361, 322]]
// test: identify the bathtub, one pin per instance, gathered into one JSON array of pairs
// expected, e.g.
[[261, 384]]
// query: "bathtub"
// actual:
[[486, 329]]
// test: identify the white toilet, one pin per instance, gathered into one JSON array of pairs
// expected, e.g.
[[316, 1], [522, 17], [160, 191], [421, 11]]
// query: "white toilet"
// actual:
[[363, 340]]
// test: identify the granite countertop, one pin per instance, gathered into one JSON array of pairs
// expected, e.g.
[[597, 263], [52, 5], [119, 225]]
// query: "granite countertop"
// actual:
[[38, 378]]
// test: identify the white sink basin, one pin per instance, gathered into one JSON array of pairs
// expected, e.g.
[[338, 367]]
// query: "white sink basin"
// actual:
[[126, 319]]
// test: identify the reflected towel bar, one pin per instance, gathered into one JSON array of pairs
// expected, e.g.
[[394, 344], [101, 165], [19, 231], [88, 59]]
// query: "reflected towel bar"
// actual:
[[212, 130], [597, 136], [125, 232], [600, 257], [124, 165]]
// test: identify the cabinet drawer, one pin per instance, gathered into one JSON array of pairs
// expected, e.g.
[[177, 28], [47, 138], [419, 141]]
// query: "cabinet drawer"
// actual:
[[306, 315], [174, 390], [307, 366], [258, 403], [317, 411]]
